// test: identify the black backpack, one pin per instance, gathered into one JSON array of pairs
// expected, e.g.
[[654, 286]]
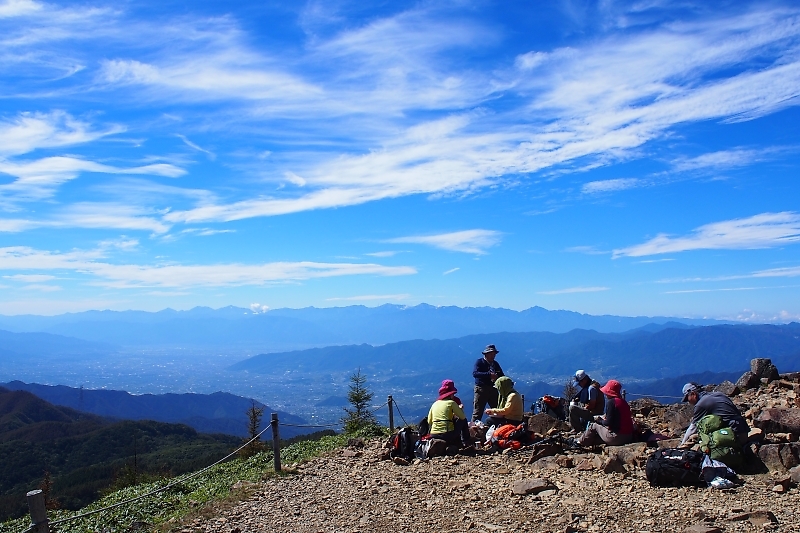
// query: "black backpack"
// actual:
[[403, 443], [675, 467]]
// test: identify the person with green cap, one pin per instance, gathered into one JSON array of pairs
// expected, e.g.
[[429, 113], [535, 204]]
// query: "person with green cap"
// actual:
[[509, 408]]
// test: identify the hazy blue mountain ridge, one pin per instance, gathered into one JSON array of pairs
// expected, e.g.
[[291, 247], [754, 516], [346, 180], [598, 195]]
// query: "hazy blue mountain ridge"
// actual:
[[207, 413], [638, 354]]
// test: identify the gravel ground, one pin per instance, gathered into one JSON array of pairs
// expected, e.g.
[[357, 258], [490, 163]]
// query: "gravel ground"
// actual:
[[345, 493]]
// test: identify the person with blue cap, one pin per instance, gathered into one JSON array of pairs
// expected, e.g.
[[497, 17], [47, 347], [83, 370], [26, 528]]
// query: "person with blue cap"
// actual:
[[712, 403], [485, 371]]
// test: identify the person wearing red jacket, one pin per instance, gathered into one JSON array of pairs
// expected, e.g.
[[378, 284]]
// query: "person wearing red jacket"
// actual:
[[615, 427]]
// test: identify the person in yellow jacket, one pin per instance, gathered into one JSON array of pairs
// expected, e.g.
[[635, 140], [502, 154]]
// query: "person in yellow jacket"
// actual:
[[509, 404], [446, 418]]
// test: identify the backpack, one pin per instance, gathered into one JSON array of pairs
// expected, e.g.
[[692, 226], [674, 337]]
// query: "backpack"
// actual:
[[719, 441], [675, 467], [510, 436], [403, 443]]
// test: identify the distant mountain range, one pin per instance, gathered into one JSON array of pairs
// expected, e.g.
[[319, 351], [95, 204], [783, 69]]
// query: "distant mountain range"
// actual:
[[290, 329], [542, 362], [207, 413], [85, 453], [644, 354]]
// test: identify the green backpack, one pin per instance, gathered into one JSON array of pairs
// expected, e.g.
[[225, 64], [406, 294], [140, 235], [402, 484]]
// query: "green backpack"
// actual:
[[719, 441]]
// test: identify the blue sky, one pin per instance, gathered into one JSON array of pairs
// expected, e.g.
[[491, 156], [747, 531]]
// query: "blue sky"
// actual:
[[636, 158]]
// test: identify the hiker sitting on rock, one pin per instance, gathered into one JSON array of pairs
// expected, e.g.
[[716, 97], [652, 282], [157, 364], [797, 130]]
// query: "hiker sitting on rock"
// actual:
[[588, 403], [712, 403], [615, 427], [446, 418], [510, 409]]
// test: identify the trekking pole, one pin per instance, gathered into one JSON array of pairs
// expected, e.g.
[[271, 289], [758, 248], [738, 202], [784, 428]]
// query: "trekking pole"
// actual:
[[390, 402]]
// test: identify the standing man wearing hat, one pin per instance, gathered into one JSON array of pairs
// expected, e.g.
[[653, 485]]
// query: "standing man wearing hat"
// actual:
[[485, 372], [713, 403], [588, 403]]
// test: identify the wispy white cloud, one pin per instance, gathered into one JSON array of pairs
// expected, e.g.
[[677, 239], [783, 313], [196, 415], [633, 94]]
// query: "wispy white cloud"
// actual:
[[16, 8], [206, 232], [37, 180], [194, 146], [448, 272], [619, 184], [665, 259], [31, 278], [370, 297], [474, 241], [30, 131], [257, 308], [588, 250], [42, 288], [574, 290], [720, 160], [128, 276], [386, 253], [766, 230]]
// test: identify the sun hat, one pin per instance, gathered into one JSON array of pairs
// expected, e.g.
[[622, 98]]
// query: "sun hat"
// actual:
[[689, 387], [490, 349], [612, 389], [447, 389], [579, 375]]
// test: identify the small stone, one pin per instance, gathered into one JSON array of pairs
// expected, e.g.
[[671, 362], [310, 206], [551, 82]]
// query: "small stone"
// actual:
[[761, 518], [400, 461], [779, 489], [565, 461], [523, 487], [612, 465]]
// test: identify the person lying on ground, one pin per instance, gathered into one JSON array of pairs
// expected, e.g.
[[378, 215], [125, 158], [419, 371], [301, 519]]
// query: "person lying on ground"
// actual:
[[446, 418], [485, 371], [509, 405], [587, 404], [615, 427], [712, 403]]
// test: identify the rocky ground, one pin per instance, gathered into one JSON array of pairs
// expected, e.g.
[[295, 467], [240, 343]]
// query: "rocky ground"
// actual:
[[357, 490]]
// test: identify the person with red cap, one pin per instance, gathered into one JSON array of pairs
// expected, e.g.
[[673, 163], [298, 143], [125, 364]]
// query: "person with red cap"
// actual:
[[615, 427], [446, 418]]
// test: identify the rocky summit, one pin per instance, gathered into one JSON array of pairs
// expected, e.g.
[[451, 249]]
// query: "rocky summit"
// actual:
[[539, 488]]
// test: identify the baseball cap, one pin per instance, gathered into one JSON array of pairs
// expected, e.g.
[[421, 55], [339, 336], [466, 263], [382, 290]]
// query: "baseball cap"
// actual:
[[689, 387], [579, 375]]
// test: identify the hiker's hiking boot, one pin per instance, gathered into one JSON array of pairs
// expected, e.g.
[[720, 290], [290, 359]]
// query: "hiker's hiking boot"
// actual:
[[572, 444]]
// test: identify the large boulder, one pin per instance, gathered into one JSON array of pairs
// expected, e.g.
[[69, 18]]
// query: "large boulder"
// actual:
[[780, 457], [779, 420], [748, 381], [764, 369], [727, 388], [630, 454], [541, 423], [678, 416]]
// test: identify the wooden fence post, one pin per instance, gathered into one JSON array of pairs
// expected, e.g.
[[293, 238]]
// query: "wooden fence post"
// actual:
[[36, 504], [390, 401], [276, 443]]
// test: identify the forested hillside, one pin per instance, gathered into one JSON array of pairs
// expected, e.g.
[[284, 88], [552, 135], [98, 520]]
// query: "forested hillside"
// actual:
[[85, 454]]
